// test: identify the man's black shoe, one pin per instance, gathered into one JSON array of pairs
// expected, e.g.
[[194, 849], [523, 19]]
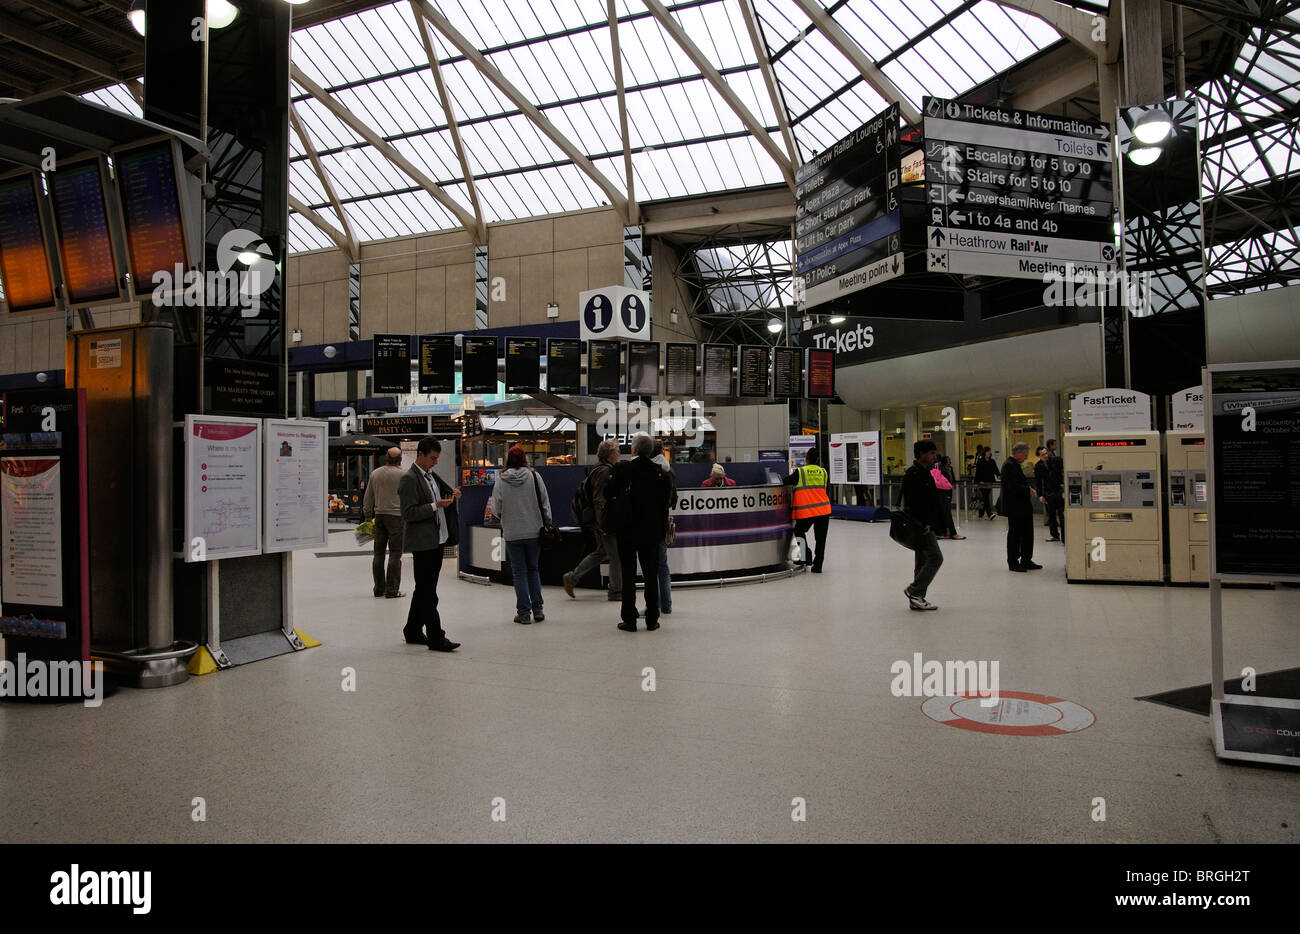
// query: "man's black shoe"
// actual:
[[395, 596], [418, 640], [447, 646], [627, 627], [651, 627], [1016, 567], [1030, 566]]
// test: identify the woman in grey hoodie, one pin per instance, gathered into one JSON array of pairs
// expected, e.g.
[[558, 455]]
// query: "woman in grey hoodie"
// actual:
[[515, 500]]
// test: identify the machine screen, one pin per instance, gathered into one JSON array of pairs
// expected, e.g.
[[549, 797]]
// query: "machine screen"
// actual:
[[1106, 492]]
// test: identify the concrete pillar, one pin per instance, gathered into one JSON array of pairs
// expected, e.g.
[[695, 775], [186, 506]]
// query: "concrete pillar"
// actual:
[[998, 429], [1144, 79], [1052, 417], [911, 423]]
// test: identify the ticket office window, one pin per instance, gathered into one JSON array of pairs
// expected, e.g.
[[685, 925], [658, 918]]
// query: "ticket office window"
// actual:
[[929, 425], [893, 438], [976, 431], [1025, 423]]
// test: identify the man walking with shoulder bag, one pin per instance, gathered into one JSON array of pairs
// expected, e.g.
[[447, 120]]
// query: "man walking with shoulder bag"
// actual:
[[922, 502]]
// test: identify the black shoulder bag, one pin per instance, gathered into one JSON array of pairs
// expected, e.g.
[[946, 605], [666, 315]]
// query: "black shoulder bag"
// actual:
[[905, 530], [548, 536]]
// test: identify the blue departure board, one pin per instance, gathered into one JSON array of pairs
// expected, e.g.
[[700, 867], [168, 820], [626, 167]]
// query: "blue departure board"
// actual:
[[148, 189], [79, 194], [24, 257]]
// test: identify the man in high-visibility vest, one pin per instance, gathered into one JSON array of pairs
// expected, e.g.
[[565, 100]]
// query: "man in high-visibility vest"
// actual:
[[811, 505]]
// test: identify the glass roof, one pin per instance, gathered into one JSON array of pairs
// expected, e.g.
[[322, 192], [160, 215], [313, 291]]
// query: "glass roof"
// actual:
[[684, 137]]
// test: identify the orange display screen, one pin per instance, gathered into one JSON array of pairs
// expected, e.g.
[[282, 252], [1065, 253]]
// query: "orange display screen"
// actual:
[[151, 210], [85, 244], [24, 260]]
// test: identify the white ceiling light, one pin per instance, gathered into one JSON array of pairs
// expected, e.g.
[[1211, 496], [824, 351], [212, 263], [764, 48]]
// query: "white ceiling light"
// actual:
[[838, 319], [774, 325], [136, 15], [221, 13], [1144, 156], [1153, 127]]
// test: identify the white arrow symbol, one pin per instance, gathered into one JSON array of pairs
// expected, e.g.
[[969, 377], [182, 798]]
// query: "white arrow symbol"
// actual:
[[950, 160], [956, 218], [955, 195]]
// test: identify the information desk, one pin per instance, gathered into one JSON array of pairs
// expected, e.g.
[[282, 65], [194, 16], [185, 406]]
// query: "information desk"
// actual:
[[721, 532]]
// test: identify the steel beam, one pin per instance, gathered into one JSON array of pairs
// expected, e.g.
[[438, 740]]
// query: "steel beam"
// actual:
[[13, 28], [769, 79], [353, 249], [633, 213], [325, 226]]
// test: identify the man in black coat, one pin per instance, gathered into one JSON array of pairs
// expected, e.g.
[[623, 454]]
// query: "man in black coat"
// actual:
[[1048, 489], [431, 524], [1019, 510], [922, 501], [638, 496]]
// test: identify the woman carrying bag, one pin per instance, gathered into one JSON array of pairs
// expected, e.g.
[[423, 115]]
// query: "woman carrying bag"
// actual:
[[520, 501]]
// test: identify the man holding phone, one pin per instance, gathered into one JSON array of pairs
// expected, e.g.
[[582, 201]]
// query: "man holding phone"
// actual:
[[429, 510]]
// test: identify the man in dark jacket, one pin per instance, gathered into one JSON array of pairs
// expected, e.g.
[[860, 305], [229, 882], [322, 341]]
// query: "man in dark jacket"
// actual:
[[429, 509], [1048, 489], [638, 497], [986, 472], [1019, 510], [606, 541], [921, 501]]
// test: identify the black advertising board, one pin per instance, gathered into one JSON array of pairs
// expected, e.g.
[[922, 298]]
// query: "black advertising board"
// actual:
[[848, 222], [821, 374], [478, 365], [437, 370], [787, 372], [242, 387], [79, 196], [643, 368], [718, 362], [753, 371], [396, 425], [25, 271], [564, 366], [679, 370], [1255, 446], [604, 368], [44, 539], [523, 365], [391, 362]]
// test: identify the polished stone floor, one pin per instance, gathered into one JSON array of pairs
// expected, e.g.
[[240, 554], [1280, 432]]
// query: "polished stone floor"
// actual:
[[764, 693]]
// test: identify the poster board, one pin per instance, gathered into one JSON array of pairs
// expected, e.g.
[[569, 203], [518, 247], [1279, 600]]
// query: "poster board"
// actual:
[[223, 487], [293, 491], [855, 458], [799, 446]]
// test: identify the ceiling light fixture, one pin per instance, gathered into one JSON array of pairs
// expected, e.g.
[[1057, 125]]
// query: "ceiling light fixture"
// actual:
[[774, 325], [220, 14], [135, 13], [838, 319], [1153, 127], [1144, 156]]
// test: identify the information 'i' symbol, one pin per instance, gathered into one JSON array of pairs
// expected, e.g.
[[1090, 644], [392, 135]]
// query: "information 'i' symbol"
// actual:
[[633, 313], [596, 314]]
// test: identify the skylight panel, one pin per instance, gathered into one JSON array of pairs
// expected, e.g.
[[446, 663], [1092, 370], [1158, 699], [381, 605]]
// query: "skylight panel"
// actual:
[[304, 235]]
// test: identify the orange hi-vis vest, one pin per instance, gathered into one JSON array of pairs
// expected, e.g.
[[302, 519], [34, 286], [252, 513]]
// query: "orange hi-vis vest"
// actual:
[[810, 496]]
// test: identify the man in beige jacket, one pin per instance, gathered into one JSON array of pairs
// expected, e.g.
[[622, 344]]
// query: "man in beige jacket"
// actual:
[[383, 505]]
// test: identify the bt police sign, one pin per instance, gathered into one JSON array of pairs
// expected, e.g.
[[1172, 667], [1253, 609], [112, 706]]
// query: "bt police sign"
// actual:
[[614, 312]]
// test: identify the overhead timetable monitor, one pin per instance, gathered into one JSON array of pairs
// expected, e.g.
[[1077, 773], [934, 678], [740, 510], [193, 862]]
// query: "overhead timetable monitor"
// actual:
[[391, 362], [787, 372], [478, 365], [643, 368], [437, 373], [753, 371], [24, 246], [718, 362], [79, 195], [564, 366], [604, 368], [680, 369], [523, 364], [148, 187], [821, 374]]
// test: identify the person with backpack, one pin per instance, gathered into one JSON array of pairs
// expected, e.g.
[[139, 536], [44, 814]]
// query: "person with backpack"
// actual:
[[520, 500], [922, 502], [588, 508], [637, 499]]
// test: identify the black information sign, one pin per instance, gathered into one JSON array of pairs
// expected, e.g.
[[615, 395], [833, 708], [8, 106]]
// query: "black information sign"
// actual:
[[24, 251], [821, 374], [680, 369], [718, 362], [523, 364], [149, 192], [604, 368], [643, 368], [391, 362], [243, 387], [1256, 450], [478, 365], [437, 364], [79, 194], [753, 371], [564, 366], [787, 372]]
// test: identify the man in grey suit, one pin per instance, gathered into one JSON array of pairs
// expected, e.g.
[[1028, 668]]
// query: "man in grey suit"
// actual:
[[429, 510]]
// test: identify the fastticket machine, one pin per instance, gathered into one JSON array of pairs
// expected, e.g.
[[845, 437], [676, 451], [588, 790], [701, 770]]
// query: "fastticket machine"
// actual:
[[1113, 528], [1188, 504]]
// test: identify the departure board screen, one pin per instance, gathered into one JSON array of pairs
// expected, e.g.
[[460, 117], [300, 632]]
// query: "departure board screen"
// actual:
[[643, 368], [523, 364], [437, 364], [718, 361], [821, 374], [478, 365], [24, 259], [151, 211], [79, 194], [391, 363], [753, 371], [787, 372], [604, 368], [680, 369], [564, 366]]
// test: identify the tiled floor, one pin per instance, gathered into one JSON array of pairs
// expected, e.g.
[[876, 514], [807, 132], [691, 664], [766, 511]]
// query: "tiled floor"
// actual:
[[764, 693]]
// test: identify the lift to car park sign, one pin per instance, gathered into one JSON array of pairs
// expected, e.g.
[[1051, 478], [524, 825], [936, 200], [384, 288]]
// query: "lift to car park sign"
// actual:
[[1016, 193], [847, 218]]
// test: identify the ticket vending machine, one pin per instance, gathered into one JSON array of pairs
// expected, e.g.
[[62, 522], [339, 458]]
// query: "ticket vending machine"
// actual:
[[1188, 507], [1113, 527]]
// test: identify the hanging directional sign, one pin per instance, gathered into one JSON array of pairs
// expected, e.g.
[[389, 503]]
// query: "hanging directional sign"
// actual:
[[847, 216], [1016, 193]]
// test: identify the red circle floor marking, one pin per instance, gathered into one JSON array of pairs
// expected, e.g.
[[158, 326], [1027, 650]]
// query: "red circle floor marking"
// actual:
[[1015, 714]]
